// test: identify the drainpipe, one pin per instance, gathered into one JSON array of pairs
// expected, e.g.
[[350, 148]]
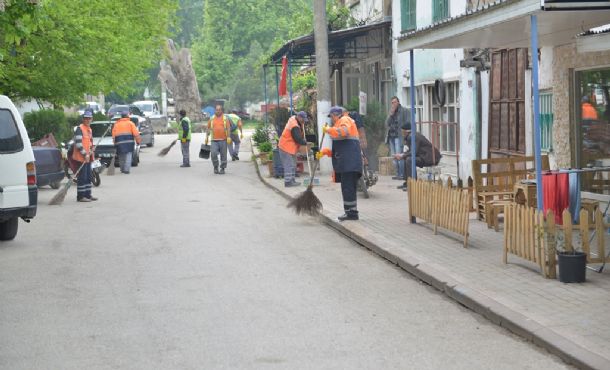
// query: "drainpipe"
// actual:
[[478, 123]]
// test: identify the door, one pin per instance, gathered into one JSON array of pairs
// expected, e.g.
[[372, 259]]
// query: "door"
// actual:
[[507, 103]]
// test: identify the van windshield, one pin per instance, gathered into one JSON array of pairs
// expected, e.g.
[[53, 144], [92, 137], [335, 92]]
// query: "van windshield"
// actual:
[[10, 139]]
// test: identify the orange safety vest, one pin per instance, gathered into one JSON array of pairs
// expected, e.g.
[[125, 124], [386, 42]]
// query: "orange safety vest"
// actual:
[[124, 133], [589, 112], [87, 142], [344, 128], [287, 143]]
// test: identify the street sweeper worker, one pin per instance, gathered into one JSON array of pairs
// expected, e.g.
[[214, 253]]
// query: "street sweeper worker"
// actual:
[[236, 125], [124, 134], [184, 135], [346, 158], [83, 155], [219, 128], [289, 144]]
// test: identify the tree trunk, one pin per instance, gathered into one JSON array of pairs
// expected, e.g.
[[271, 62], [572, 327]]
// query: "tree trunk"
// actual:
[[322, 71], [178, 76]]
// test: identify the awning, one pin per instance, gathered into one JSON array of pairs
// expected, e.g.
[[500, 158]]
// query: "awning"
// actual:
[[504, 24], [342, 45]]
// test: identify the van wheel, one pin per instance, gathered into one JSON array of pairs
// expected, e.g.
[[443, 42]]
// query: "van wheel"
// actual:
[[55, 185], [8, 229]]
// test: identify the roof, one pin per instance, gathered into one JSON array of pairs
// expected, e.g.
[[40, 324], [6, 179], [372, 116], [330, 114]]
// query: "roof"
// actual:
[[504, 24], [302, 49]]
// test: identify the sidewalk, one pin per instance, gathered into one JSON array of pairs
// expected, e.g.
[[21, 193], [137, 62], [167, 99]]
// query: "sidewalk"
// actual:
[[570, 320]]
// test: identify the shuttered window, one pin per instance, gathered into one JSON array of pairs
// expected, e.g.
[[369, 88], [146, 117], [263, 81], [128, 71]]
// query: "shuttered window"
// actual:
[[440, 10], [407, 15], [546, 121]]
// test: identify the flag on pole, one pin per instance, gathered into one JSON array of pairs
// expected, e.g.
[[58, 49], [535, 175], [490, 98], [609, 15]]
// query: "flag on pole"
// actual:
[[282, 88]]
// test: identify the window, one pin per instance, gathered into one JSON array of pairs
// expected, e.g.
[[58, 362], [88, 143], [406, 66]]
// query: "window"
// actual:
[[546, 121], [592, 127], [440, 10], [408, 14], [10, 139], [448, 114]]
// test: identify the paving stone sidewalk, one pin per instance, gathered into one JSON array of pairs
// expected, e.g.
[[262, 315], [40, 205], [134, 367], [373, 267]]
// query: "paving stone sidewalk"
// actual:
[[571, 320]]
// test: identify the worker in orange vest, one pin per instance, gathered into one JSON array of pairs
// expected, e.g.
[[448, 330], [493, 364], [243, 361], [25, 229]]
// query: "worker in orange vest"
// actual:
[[125, 135], [346, 157], [588, 111], [83, 155], [291, 140], [219, 126]]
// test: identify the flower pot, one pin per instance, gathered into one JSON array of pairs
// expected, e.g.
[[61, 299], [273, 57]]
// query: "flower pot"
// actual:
[[572, 267]]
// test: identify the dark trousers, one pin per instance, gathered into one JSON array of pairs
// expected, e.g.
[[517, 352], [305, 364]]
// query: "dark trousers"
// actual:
[[83, 184], [408, 167], [349, 184]]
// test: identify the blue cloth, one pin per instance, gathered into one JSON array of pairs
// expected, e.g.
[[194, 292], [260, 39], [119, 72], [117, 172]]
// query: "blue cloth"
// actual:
[[124, 143], [574, 191], [347, 156]]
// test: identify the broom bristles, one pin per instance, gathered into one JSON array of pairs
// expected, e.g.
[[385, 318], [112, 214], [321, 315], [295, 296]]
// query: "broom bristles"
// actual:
[[111, 167], [166, 150], [306, 202], [61, 195]]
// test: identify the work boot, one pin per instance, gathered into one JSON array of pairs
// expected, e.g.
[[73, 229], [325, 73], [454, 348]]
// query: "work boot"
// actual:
[[222, 171], [402, 187], [348, 216], [232, 158], [291, 184], [185, 165], [398, 178], [92, 198], [83, 199], [236, 157], [216, 170]]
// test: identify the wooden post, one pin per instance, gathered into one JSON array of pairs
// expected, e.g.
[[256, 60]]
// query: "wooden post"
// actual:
[[584, 231], [567, 230], [600, 232]]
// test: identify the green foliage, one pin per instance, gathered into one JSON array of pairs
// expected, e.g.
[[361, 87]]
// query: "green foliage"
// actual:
[[42, 122], [247, 84], [60, 50], [261, 135], [99, 116], [304, 81], [265, 147]]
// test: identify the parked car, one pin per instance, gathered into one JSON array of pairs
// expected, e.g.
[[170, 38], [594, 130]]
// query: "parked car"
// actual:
[[91, 105], [142, 122], [150, 108], [49, 169], [18, 190], [105, 149]]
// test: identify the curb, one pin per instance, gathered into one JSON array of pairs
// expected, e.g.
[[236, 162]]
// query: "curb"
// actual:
[[569, 351]]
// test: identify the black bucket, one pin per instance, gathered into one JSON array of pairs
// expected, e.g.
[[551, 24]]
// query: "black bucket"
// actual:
[[204, 152], [572, 267]]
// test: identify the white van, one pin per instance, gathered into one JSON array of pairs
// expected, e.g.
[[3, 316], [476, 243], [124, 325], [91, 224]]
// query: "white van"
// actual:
[[18, 190], [150, 108]]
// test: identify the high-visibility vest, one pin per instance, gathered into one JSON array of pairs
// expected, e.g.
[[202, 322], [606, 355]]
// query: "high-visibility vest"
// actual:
[[124, 133], [589, 112], [86, 143], [287, 142], [235, 122], [224, 125], [180, 133], [347, 155]]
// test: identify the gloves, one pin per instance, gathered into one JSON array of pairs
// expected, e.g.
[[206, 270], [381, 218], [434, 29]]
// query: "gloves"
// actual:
[[229, 141], [324, 152], [183, 140], [241, 136], [325, 128]]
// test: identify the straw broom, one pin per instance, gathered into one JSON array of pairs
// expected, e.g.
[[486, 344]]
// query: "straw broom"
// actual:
[[61, 195], [166, 150], [307, 202], [111, 166]]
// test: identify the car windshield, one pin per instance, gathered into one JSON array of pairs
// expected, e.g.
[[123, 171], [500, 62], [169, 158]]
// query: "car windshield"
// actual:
[[99, 128], [117, 109], [10, 139], [145, 107]]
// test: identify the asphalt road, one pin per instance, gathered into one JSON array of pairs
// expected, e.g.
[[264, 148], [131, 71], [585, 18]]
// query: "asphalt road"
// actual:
[[178, 268]]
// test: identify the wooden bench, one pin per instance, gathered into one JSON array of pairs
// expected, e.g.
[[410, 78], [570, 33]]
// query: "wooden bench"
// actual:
[[495, 178]]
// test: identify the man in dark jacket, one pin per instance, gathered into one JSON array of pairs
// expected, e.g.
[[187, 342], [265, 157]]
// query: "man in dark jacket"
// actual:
[[426, 155], [398, 117]]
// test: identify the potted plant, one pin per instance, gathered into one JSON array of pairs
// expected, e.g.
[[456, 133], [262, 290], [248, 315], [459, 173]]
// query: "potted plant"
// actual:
[[572, 263], [264, 149]]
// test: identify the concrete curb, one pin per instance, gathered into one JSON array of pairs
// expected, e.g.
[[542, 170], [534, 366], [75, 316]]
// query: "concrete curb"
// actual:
[[498, 313]]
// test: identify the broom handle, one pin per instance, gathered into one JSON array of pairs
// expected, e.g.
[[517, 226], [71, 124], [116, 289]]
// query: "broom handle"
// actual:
[[306, 150], [313, 173]]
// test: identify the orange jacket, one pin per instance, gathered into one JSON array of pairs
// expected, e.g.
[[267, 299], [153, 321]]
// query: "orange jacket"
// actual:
[[287, 142], [220, 127], [589, 112], [124, 132], [83, 143]]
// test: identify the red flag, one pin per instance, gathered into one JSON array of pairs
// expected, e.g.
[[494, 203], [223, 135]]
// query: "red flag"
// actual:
[[282, 87]]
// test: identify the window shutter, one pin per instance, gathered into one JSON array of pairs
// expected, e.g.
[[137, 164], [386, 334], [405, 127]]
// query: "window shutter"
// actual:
[[404, 15]]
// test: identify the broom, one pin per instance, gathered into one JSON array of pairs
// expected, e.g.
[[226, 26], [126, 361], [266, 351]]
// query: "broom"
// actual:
[[61, 195], [166, 150], [307, 202], [111, 166]]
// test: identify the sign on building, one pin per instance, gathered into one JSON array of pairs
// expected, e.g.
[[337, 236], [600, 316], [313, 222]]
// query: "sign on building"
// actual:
[[574, 5], [362, 103]]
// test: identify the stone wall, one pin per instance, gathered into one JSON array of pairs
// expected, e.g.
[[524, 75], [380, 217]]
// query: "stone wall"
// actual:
[[565, 59]]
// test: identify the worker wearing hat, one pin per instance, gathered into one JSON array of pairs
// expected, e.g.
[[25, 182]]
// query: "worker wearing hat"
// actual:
[[184, 135], [83, 155], [291, 140], [124, 134], [346, 158]]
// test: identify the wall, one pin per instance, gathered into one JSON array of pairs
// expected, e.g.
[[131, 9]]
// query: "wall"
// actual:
[[367, 10], [565, 58]]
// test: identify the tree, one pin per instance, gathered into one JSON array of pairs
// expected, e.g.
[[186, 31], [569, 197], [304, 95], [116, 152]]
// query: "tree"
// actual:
[[247, 85], [73, 50]]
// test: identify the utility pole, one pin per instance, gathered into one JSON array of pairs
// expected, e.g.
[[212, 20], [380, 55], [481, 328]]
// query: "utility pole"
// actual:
[[320, 31]]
